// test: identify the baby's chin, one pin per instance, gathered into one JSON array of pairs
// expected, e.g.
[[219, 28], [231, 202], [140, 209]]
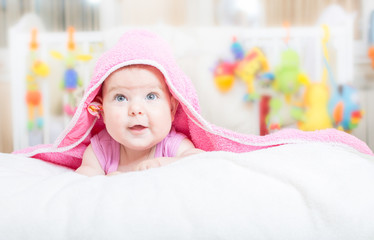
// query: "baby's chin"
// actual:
[[139, 145], [142, 141]]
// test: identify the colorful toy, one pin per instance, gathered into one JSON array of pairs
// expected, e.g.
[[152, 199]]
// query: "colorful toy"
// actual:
[[224, 76], [328, 105], [343, 106], [315, 101], [246, 67], [314, 105], [250, 68], [288, 79], [371, 39], [288, 76], [237, 50], [37, 70], [316, 115], [71, 80]]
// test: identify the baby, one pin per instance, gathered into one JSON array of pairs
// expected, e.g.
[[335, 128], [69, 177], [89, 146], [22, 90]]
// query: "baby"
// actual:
[[138, 111]]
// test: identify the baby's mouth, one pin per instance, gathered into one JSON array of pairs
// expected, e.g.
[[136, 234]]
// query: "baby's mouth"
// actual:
[[137, 127]]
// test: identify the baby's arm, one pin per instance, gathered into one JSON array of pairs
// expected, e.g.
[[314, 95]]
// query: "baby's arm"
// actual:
[[90, 165], [185, 149]]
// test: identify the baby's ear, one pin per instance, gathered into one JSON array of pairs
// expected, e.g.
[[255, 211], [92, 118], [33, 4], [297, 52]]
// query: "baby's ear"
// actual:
[[95, 108], [173, 106]]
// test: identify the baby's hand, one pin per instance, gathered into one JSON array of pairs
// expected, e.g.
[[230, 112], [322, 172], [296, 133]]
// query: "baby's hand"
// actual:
[[147, 164]]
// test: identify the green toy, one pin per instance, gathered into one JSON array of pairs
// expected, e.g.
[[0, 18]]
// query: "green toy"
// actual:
[[288, 77]]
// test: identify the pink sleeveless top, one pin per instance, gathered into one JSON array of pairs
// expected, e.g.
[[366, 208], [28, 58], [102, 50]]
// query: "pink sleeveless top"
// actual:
[[107, 150]]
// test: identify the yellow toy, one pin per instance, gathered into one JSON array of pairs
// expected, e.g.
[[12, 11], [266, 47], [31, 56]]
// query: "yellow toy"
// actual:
[[37, 69], [249, 68], [315, 101]]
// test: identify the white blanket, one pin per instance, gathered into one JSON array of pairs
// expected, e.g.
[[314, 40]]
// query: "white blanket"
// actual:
[[300, 191]]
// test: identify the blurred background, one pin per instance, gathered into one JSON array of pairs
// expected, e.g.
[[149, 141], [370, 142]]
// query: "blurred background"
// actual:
[[37, 100]]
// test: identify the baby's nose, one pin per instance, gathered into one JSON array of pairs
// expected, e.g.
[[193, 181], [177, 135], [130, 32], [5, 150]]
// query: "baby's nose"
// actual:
[[135, 109], [133, 113]]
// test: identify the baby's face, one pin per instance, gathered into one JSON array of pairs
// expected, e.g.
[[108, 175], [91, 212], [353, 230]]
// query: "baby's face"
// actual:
[[138, 108]]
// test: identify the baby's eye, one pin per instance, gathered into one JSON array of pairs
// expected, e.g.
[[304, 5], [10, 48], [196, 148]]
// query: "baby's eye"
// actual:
[[151, 96], [120, 98]]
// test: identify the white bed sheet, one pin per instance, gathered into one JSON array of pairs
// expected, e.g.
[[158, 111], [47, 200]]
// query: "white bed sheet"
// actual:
[[300, 191]]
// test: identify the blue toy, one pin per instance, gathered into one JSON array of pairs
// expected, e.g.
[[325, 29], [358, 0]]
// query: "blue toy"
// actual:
[[71, 81], [237, 49], [344, 108]]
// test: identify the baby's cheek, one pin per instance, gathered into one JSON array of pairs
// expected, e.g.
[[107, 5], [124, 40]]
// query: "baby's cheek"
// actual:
[[114, 118], [117, 113]]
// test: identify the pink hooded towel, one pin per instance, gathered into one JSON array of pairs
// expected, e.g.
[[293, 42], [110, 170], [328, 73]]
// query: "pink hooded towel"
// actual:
[[143, 47]]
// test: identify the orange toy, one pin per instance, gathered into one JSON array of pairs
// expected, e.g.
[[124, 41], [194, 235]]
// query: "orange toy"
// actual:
[[371, 55]]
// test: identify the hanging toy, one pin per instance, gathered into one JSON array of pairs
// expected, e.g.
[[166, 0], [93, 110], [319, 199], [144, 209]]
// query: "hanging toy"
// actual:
[[237, 50], [315, 100], [71, 80], [287, 82], [247, 67], [251, 67], [224, 75], [345, 109], [224, 71], [371, 39], [37, 69], [288, 75], [343, 106]]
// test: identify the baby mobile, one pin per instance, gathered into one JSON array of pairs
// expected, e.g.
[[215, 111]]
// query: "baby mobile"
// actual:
[[71, 80], [36, 70], [313, 105]]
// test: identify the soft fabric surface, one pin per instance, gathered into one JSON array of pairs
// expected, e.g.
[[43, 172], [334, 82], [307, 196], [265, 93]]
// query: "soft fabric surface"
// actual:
[[295, 191]]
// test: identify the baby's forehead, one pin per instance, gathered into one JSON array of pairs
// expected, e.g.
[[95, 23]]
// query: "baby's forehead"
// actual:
[[136, 68]]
